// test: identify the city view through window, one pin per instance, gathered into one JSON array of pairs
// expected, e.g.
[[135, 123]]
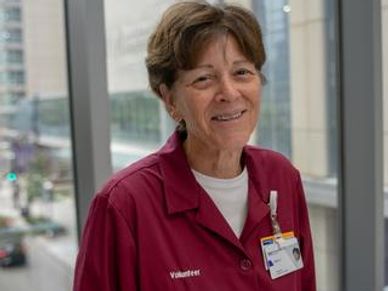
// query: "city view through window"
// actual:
[[298, 118], [38, 239]]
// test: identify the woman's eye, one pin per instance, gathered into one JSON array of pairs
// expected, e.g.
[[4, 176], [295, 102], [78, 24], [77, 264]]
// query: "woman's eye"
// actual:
[[201, 79], [242, 72]]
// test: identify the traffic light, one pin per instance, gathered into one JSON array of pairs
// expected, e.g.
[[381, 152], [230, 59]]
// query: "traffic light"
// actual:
[[11, 176]]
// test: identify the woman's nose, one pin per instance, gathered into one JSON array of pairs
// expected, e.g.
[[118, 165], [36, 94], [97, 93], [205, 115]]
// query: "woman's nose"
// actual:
[[228, 90]]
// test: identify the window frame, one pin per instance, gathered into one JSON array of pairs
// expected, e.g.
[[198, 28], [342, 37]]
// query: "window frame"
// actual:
[[360, 158]]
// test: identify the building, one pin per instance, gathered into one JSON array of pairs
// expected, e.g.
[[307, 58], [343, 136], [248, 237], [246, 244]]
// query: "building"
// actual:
[[12, 70]]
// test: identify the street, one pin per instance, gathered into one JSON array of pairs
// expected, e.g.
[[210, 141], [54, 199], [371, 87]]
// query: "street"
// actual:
[[50, 260], [43, 272]]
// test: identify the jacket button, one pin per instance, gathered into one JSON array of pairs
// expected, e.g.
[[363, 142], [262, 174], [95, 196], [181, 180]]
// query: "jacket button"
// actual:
[[245, 264]]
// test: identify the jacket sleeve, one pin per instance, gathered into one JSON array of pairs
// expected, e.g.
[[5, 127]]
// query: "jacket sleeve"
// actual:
[[107, 254], [308, 272]]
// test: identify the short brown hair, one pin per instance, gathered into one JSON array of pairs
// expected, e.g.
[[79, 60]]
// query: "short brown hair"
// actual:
[[185, 29]]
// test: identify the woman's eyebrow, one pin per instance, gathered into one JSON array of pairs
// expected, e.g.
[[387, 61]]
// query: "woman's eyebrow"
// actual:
[[204, 66], [209, 66], [240, 62]]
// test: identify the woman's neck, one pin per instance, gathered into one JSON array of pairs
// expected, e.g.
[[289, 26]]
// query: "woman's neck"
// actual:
[[219, 163]]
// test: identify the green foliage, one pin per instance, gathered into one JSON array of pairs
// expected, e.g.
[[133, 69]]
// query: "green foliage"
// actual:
[[4, 221], [37, 174], [37, 219], [135, 116], [54, 112]]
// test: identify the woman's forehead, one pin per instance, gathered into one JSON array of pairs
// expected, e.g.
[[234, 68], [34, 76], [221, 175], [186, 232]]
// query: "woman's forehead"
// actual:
[[219, 43]]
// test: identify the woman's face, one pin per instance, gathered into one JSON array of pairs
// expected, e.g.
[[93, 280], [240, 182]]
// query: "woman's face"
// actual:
[[219, 99]]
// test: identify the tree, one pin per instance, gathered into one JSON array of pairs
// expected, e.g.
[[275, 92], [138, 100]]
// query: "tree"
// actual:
[[37, 174]]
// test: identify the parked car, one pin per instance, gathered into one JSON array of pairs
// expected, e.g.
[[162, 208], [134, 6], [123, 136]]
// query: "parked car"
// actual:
[[49, 228], [12, 249]]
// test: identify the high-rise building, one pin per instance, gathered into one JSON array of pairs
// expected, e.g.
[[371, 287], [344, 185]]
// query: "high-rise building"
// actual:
[[12, 81], [12, 77], [274, 129]]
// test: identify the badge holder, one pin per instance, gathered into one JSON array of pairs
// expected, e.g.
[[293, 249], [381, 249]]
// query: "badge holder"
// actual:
[[281, 252]]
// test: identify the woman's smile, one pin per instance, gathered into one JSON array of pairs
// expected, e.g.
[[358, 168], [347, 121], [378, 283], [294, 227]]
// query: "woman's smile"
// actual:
[[226, 117]]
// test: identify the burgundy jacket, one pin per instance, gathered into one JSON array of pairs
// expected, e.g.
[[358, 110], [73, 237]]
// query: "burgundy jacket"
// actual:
[[153, 228]]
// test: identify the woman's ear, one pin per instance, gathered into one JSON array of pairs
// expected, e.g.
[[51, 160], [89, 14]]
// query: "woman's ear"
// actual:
[[169, 101], [166, 95]]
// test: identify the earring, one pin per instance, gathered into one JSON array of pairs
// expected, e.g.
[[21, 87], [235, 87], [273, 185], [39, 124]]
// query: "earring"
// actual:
[[174, 115]]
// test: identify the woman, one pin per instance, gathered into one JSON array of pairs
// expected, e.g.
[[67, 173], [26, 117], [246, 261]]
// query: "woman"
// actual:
[[206, 212]]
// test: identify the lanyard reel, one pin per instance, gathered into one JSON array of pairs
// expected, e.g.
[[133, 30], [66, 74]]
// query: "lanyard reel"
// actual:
[[273, 205]]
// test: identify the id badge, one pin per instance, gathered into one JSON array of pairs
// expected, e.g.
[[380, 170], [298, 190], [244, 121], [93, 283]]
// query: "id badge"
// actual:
[[281, 256]]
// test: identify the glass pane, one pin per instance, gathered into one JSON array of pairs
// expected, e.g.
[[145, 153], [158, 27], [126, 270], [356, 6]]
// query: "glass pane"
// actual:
[[139, 123], [384, 21], [298, 115], [38, 238], [135, 112]]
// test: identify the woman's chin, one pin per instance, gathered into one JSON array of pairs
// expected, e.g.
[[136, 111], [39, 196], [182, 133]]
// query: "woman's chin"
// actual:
[[232, 142]]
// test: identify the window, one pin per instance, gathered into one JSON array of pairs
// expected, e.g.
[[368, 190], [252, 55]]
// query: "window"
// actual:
[[15, 78], [37, 208], [10, 58], [12, 14], [138, 121], [14, 57], [298, 115], [2, 78], [11, 35], [274, 130], [8, 14], [298, 118]]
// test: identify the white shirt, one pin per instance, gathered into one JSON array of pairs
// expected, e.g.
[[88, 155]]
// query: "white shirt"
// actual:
[[229, 195]]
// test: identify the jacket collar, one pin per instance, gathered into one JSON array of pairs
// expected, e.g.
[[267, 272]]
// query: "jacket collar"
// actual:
[[180, 186]]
